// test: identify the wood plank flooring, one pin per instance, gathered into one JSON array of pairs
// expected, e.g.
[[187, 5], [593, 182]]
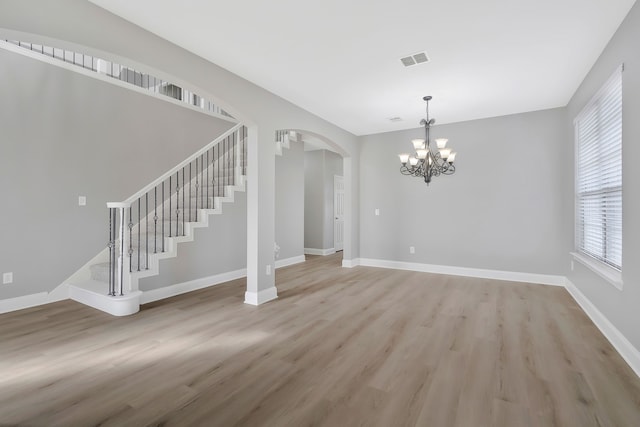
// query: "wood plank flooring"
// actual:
[[339, 347]]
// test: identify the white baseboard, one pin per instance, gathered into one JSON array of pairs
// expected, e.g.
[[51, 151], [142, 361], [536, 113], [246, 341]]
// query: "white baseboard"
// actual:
[[192, 285], [512, 276], [322, 252], [27, 301], [94, 294], [628, 352], [350, 263], [257, 298], [290, 261]]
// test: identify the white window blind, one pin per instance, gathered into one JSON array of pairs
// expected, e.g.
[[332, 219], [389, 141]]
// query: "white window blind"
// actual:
[[598, 130]]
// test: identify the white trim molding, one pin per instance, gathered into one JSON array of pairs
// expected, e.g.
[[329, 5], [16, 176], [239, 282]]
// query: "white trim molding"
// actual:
[[192, 285], [322, 252], [33, 300], [92, 293], [290, 261], [623, 346], [257, 298], [350, 263], [608, 273], [512, 276]]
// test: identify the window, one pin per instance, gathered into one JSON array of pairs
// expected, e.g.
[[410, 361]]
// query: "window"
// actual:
[[598, 132]]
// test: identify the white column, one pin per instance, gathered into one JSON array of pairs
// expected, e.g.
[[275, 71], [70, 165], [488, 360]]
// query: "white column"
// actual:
[[260, 217]]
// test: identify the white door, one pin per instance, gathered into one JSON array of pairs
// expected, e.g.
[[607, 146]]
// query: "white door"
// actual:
[[338, 212]]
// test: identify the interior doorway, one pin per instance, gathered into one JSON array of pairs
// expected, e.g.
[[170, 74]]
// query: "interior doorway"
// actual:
[[324, 198]]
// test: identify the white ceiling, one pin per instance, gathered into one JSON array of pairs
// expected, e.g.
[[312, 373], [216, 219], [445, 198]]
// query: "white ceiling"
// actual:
[[339, 59]]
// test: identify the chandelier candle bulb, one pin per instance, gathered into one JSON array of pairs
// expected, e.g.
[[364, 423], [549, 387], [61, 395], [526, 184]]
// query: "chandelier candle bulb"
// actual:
[[441, 142], [427, 163], [418, 144]]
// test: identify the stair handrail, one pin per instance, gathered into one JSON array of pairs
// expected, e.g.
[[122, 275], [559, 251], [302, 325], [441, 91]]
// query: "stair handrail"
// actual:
[[111, 72], [127, 202]]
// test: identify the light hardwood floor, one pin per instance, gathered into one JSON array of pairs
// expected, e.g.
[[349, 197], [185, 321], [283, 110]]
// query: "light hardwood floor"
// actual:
[[339, 347]]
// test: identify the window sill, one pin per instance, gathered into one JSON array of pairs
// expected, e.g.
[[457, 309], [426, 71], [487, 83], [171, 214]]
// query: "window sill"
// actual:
[[609, 274]]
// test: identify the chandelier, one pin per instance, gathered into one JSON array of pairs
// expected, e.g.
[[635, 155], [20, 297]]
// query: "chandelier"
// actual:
[[428, 163]]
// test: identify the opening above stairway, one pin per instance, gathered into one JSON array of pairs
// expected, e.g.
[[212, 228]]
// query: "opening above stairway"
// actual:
[[127, 74]]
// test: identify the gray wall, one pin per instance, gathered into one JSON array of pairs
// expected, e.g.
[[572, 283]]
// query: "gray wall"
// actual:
[[320, 166], [219, 248], [503, 209], [290, 201], [65, 135], [622, 308], [314, 199]]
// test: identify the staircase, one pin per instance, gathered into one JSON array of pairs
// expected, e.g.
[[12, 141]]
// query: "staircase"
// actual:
[[284, 138], [149, 226]]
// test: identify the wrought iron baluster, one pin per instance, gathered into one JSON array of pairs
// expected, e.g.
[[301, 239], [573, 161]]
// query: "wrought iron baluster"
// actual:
[[130, 239], [202, 180], [162, 216], [183, 209], [212, 182], [190, 215], [225, 165], [146, 217], [208, 206], [155, 220], [197, 185], [170, 211], [214, 172], [139, 245], [233, 159], [178, 205]]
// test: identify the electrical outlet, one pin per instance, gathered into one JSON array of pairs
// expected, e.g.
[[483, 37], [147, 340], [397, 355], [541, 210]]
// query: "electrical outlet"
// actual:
[[412, 250], [572, 265], [7, 278], [268, 270], [82, 200]]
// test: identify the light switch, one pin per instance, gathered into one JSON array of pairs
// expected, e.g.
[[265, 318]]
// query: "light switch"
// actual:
[[377, 212], [82, 201]]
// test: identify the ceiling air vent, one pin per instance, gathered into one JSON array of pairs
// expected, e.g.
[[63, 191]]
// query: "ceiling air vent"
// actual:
[[415, 59], [395, 119]]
